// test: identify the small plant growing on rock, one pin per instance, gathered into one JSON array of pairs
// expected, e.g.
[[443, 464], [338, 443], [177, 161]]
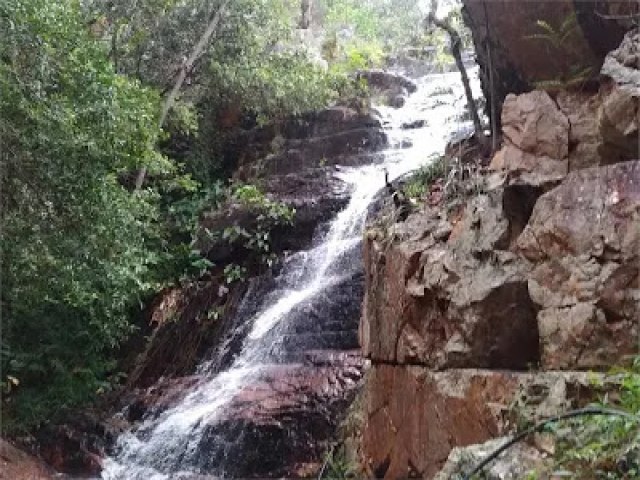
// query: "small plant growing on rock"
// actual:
[[559, 42], [420, 182]]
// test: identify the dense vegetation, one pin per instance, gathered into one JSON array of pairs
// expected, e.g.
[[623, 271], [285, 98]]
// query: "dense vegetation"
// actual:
[[82, 85]]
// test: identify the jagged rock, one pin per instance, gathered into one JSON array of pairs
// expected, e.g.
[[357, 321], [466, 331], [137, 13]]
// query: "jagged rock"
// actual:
[[536, 148], [585, 140], [415, 417], [460, 303], [16, 464], [584, 237], [620, 114], [533, 123], [520, 460]]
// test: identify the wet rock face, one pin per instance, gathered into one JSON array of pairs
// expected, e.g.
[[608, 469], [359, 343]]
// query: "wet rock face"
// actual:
[[387, 81], [315, 194], [337, 135], [16, 464], [78, 447], [282, 422]]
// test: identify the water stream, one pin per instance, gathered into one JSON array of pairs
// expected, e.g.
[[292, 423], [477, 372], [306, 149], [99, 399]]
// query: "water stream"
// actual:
[[168, 445]]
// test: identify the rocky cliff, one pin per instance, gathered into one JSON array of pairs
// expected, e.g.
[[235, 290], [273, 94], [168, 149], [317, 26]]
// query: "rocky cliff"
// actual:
[[514, 291]]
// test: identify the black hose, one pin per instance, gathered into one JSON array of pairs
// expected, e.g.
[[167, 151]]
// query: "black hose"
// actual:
[[538, 427]]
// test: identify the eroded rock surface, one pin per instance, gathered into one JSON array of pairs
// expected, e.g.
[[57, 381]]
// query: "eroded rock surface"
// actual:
[[620, 116], [522, 460], [584, 238], [447, 304]]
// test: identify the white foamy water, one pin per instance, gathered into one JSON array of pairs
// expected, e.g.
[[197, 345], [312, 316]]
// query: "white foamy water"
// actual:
[[164, 447]]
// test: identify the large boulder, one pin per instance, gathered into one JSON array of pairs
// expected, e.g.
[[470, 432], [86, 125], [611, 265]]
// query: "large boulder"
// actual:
[[584, 238], [515, 53], [388, 82], [284, 420], [335, 136]]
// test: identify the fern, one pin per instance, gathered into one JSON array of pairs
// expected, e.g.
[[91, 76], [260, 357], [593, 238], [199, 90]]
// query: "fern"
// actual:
[[558, 38]]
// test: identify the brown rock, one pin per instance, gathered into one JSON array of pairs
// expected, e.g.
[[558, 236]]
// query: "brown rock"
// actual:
[[16, 464], [414, 418], [284, 420], [585, 238], [517, 61], [619, 117], [533, 123], [536, 135], [449, 305], [585, 140]]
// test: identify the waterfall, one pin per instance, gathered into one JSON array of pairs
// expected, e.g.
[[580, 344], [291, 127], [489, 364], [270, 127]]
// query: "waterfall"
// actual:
[[170, 445]]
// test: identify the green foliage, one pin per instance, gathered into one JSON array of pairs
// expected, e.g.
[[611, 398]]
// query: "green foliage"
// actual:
[[337, 466], [74, 243], [420, 182], [234, 273], [560, 43], [556, 37], [359, 56], [269, 215], [605, 447], [360, 35], [392, 24]]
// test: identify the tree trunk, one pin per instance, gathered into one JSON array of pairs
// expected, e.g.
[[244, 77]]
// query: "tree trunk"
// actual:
[[186, 68], [305, 14], [456, 51]]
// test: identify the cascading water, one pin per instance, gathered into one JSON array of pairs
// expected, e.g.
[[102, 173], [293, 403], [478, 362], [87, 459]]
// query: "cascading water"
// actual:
[[170, 445]]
